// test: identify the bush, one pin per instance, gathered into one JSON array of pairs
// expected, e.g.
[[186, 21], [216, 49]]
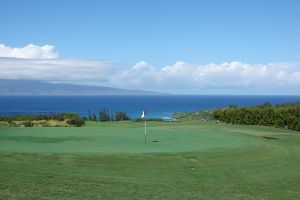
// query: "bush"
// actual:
[[281, 116], [12, 124], [75, 122], [3, 123], [42, 120], [121, 116], [27, 124], [37, 117]]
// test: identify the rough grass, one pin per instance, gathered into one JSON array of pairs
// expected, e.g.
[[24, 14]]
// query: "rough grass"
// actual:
[[38, 123], [50, 123], [192, 160]]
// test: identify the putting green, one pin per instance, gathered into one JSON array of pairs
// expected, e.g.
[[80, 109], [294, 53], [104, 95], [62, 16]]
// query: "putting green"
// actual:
[[130, 140]]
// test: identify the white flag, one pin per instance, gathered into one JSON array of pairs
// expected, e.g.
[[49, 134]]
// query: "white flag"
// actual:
[[144, 114]]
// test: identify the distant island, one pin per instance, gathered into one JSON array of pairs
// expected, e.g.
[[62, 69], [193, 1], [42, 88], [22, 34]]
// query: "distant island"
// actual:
[[33, 87]]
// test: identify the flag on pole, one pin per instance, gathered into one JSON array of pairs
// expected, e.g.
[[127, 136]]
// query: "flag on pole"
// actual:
[[144, 117], [144, 114]]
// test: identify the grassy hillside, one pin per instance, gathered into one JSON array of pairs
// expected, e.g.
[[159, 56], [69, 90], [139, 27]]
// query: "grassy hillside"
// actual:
[[183, 160]]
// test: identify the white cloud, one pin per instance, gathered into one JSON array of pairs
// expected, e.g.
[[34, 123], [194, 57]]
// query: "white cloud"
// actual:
[[29, 51], [180, 76], [56, 70], [233, 75]]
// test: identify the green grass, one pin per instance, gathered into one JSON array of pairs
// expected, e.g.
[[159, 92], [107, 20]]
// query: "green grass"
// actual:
[[191, 160]]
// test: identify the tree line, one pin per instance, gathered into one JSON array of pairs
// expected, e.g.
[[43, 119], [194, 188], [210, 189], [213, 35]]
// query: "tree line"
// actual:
[[72, 119], [281, 116], [105, 116]]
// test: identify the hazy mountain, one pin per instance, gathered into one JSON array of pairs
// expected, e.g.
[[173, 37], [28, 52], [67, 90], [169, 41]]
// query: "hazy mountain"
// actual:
[[29, 87]]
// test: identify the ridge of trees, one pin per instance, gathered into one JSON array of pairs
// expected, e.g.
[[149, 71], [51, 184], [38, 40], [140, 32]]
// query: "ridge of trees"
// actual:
[[280, 115], [106, 116]]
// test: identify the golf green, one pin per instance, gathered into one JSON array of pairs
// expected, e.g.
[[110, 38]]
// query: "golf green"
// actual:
[[181, 160], [121, 140]]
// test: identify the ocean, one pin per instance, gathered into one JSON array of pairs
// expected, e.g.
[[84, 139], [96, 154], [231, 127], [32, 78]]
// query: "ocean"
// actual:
[[157, 106]]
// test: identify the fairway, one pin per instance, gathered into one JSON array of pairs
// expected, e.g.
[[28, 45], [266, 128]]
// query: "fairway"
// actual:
[[181, 160]]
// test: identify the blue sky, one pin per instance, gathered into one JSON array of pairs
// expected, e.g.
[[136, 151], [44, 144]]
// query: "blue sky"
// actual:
[[160, 32]]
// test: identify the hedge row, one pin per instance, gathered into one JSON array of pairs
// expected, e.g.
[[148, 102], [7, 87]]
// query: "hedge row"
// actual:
[[281, 116]]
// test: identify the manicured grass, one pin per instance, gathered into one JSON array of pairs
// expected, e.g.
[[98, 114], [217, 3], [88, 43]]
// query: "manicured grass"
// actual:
[[189, 160]]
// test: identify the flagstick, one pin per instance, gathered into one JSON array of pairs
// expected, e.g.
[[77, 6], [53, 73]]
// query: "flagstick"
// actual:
[[145, 131]]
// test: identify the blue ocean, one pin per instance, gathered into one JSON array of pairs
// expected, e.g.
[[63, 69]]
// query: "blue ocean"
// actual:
[[157, 106]]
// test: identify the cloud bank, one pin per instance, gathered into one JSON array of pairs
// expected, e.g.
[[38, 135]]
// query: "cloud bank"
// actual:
[[232, 75], [56, 70], [29, 51], [178, 77]]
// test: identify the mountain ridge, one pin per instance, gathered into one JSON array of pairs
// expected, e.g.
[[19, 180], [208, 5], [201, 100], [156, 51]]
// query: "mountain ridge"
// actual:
[[42, 88]]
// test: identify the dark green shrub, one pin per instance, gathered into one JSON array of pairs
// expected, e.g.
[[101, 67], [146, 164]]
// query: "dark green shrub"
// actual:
[[37, 117], [27, 124], [12, 124], [76, 122], [121, 116], [281, 116]]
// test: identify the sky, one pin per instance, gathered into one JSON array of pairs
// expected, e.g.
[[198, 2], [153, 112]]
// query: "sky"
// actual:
[[178, 46]]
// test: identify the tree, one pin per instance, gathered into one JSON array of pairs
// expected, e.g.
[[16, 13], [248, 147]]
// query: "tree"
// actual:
[[121, 116], [89, 115], [94, 118], [112, 118], [281, 116], [104, 115]]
